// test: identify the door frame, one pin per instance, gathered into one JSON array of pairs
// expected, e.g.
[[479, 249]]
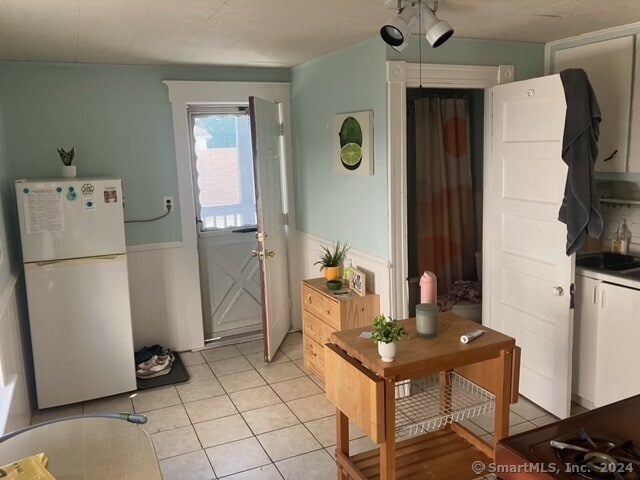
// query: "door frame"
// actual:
[[400, 76], [181, 95]]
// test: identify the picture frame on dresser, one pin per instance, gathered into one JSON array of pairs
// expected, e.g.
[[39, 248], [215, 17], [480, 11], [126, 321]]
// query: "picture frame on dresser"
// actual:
[[358, 282]]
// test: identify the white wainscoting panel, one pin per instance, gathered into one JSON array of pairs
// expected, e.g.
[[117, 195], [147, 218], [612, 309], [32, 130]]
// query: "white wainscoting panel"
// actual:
[[15, 357], [165, 310], [165, 303], [306, 250]]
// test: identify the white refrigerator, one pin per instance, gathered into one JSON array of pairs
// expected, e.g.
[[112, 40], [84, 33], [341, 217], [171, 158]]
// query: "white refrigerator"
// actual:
[[75, 263]]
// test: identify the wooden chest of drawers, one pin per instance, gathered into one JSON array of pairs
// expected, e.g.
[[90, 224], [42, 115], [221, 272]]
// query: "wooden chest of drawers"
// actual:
[[323, 313]]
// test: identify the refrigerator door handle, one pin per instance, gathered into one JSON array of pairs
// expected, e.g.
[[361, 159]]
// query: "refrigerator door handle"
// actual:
[[68, 260]]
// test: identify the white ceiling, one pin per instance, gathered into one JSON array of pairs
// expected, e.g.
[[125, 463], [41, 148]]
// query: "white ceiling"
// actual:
[[266, 33]]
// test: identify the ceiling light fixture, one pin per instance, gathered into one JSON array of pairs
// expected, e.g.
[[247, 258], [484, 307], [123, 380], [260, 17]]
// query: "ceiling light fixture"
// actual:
[[410, 13], [396, 34]]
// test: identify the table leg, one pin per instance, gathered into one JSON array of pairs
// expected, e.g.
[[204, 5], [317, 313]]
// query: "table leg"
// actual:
[[388, 447], [342, 434], [445, 393], [503, 397]]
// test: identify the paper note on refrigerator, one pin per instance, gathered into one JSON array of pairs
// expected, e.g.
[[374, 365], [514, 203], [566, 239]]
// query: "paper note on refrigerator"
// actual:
[[43, 211]]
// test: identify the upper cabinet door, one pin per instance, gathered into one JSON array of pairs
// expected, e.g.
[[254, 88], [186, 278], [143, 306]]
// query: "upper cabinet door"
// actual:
[[609, 65], [634, 142]]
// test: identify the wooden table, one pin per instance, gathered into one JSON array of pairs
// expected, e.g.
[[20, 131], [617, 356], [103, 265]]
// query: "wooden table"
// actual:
[[363, 388]]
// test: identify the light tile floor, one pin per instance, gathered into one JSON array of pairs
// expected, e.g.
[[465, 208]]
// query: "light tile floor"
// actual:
[[240, 419]]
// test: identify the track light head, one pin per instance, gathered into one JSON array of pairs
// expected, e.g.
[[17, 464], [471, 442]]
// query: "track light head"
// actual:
[[438, 31], [396, 33]]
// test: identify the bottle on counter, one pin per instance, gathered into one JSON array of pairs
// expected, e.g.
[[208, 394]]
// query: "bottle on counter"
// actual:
[[620, 242], [428, 288]]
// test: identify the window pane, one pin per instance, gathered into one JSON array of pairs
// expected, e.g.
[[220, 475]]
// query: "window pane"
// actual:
[[224, 166]]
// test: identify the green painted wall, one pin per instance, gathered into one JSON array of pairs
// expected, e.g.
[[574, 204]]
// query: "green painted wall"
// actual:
[[8, 236], [352, 208], [329, 204], [119, 120]]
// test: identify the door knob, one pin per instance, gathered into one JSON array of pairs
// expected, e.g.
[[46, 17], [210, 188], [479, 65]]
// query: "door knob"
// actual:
[[557, 291]]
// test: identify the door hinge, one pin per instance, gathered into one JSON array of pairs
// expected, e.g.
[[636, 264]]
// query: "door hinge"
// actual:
[[572, 292], [285, 218], [281, 129], [261, 236], [290, 303]]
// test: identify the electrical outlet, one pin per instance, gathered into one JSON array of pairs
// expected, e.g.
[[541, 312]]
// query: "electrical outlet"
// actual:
[[167, 204]]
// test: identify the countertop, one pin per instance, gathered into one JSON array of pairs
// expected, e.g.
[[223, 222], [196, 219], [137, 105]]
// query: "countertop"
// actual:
[[609, 276]]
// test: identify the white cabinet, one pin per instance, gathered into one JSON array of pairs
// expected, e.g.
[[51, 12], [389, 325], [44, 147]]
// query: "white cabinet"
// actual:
[[609, 65], [618, 338], [585, 329], [606, 338]]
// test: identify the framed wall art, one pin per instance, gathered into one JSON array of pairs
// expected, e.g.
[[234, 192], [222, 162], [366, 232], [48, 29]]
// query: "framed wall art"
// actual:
[[353, 143], [358, 282]]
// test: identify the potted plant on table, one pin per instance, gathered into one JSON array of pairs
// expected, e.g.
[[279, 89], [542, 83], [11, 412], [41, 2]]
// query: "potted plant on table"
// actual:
[[386, 332], [330, 260]]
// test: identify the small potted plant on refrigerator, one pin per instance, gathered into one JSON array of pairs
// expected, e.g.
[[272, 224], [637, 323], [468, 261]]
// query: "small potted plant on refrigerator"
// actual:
[[68, 170]]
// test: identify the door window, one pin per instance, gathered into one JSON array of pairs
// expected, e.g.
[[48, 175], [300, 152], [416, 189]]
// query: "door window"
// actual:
[[220, 139]]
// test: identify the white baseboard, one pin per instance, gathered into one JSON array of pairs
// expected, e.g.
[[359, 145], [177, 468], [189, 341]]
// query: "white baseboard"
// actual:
[[163, 308]]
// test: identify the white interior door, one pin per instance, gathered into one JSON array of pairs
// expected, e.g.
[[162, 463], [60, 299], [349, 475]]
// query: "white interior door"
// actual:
[[529, 278], [272, 249]]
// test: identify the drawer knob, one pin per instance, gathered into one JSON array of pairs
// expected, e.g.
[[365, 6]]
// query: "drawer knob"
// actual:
[[327, 312]]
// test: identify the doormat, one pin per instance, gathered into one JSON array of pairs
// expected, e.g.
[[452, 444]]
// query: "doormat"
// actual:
[[177, 374]]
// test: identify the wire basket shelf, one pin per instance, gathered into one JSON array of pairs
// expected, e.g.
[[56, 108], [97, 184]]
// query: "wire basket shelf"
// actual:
[[422, 407]]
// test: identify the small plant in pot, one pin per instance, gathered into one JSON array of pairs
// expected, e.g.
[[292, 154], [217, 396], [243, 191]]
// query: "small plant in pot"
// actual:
[[68, 170], [386, 332], [330, 260]]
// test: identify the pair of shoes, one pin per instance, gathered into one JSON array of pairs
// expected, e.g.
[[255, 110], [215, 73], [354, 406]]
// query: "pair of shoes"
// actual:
[[146, 353], [156, 366]]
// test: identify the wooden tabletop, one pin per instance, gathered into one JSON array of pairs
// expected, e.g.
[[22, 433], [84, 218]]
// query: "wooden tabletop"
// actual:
[[423, 356]]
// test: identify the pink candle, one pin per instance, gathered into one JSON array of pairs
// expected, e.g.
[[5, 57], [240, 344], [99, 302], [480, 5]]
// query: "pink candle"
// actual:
[[428, 288]]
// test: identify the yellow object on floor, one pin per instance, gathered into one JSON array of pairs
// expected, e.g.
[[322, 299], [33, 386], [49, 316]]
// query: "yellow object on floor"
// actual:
[[30, 468]]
